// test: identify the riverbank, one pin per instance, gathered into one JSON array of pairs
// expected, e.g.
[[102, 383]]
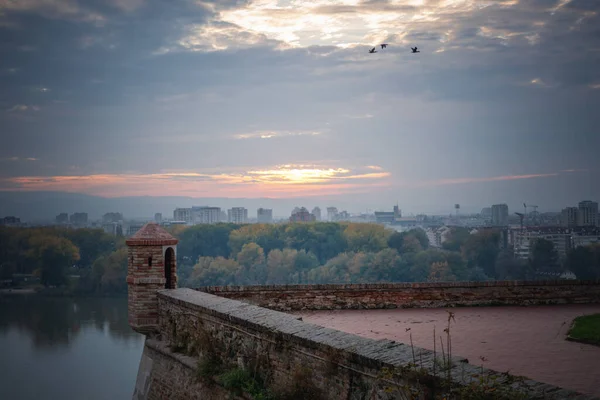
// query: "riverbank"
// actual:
[[55, 292], [585, 329]]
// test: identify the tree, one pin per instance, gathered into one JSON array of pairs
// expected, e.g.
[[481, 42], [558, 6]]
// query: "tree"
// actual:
[[366, 237], [544, 257], [252, 265], [218, 271], [510, 268], [456, 237], [109, 272], [440, 272], [481, 250], [584, 262], [54, 255]]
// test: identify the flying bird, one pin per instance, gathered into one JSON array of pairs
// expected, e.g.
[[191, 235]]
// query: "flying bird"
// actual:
[[372, 50], [414, 50], [383, 45]]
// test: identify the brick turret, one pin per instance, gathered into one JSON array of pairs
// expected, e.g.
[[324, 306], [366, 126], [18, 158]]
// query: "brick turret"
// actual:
[[151, 266]]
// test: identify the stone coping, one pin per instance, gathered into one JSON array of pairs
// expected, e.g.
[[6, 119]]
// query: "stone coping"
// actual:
[[365, 352], [396, 286]]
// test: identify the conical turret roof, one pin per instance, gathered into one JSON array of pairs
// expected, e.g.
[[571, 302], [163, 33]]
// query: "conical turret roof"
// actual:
[[152, 234]]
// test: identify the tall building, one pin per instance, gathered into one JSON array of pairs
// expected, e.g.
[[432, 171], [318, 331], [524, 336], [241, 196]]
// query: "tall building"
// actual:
[[500, 215], [158, 218], [587, 213], [332, 213], [317, 213], [62, 218], [80, 219], [206, 215], [183, 215], [264, 215], [301, 215], [568, 217], [112, 217], [237, 215]]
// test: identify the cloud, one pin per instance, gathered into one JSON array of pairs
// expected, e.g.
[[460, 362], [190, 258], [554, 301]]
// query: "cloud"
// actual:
[[469, 180], [22, 108], [275, 134], [275, 181], [18, 159]]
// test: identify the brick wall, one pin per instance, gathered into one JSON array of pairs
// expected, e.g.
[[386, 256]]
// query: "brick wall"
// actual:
[[145, 276], [286, 351], [398, 295]]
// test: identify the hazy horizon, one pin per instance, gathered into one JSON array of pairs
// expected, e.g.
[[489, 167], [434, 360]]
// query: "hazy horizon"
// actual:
[[281, 99]]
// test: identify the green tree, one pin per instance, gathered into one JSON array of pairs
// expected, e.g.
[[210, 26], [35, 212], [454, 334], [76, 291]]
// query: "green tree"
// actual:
[[456, 238], [481, 250], [584, 262], [218, 271], [440, 272], [252, 265], [508, 267], [366, 237], [544, 257], [54, 256]]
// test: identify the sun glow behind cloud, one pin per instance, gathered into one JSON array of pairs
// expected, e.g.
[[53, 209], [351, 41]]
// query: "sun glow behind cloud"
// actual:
[[277, 181]]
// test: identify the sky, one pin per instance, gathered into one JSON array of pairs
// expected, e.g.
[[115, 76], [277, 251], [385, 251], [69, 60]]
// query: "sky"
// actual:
[[280, 99]]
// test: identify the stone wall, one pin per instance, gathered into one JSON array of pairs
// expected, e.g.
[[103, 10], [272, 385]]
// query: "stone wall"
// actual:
[[406, 295], [163, 375], [293, 358]]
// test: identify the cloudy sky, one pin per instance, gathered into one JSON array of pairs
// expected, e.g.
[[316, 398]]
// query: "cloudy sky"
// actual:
[[280, 98]]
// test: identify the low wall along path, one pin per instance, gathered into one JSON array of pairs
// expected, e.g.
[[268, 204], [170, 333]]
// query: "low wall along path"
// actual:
[[290, 355]]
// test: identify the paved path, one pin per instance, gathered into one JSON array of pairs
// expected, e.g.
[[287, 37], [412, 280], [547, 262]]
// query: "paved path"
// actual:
[[528, 341]]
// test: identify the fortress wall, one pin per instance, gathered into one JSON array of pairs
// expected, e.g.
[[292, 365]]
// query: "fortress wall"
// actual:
[[287, 353], [408, 295]]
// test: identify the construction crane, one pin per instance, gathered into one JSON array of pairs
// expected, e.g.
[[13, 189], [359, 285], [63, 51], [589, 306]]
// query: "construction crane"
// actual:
[[521, 216]]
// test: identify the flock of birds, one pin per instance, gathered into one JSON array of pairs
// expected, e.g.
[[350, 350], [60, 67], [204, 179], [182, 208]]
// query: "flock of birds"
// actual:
[[384, 45]]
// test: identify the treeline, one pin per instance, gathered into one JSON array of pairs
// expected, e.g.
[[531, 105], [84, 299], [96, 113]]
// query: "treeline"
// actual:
[[360, 253], [80, 260], [91, 261]]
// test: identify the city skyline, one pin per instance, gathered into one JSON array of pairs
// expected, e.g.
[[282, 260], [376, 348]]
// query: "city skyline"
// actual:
[[222, 99]]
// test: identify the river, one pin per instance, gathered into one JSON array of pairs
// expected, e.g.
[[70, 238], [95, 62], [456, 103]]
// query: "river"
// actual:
[[67, 348]]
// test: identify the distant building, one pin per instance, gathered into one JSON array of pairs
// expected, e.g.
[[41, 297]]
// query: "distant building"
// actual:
[[158, 218], [524, 240], [332, 213], [79, 219], [183, 215], [317, 213], [10, 221], [134, 227], [112, 217], [206, 215], [588, 213], [113, 228], [264, 215], [237, 215], [301, 215], [569, 216], [62, 218], [500, 215]]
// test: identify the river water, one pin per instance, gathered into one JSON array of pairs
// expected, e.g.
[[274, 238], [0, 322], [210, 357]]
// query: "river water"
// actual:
[[67, 348]]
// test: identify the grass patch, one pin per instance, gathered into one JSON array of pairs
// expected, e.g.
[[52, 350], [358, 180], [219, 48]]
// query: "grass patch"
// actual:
[[586, 329]]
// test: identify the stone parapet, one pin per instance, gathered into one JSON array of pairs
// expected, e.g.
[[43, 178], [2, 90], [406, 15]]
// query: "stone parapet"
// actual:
[[407, 295], [335, 364]]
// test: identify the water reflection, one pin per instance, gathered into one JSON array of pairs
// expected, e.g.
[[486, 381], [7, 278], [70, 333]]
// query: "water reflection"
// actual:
[[55, 322], [76, 348]]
